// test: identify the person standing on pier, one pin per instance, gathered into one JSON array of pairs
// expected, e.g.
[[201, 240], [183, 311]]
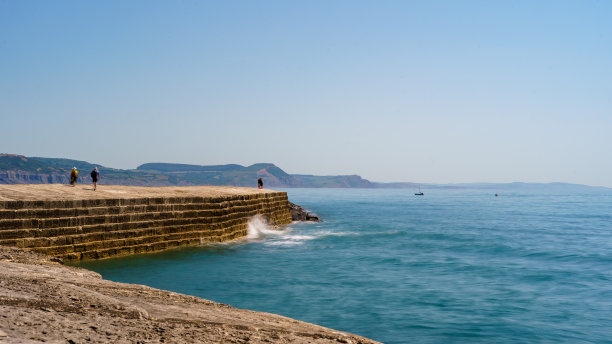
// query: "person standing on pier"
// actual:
[[95, 176], [260, 183], [74, 175]]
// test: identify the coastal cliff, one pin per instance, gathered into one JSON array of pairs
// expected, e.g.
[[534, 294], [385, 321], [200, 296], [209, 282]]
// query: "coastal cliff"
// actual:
[[44, 301]]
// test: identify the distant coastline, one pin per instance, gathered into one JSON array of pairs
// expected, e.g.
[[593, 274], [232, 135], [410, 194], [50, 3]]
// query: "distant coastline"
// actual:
[[19, 169]]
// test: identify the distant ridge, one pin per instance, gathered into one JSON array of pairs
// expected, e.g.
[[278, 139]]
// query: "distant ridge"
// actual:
[[232, 174], [550, 187], [246, 176], [166, 167], [19, 169]]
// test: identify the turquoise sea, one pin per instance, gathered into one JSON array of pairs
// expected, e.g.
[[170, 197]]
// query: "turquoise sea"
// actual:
[[448, 267]]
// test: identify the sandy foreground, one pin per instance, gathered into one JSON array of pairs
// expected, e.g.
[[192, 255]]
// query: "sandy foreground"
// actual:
[[45, 301]]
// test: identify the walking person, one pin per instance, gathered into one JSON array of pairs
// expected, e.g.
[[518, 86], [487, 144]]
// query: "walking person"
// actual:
[[95, 176], [260, 183], [74, 175]]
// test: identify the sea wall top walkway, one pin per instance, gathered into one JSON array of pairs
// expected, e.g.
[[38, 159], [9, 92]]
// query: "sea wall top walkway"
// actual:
[[47, 192]]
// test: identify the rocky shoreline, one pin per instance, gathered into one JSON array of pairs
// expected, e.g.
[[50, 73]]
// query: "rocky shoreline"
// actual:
[[42, 300], [300, 214]]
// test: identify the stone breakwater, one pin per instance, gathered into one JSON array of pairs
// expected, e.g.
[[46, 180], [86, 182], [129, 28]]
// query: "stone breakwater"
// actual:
[[44, 301], [76, 223]]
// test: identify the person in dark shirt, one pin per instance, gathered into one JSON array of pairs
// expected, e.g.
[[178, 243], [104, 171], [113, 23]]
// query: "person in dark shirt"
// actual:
[[95, 176], [260, 183]]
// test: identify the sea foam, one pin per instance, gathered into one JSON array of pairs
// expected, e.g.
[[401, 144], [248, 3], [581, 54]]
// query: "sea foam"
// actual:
[[258, 229]]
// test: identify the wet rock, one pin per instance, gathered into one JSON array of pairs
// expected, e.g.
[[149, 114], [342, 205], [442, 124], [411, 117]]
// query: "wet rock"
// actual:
[[300, 214], [57, 260]]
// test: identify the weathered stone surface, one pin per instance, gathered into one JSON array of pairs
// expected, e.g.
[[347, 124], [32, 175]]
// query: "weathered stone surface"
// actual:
[[34, 194], [43, 301], [78, 223]]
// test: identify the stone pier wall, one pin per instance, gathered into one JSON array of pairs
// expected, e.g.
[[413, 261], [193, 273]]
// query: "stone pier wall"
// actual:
[[100, 228]]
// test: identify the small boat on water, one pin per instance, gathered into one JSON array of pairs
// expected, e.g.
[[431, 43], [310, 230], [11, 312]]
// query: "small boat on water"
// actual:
[[420, 193]]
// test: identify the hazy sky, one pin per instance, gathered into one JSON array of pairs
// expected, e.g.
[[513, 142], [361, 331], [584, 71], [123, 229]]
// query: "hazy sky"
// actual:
[[427, 91]]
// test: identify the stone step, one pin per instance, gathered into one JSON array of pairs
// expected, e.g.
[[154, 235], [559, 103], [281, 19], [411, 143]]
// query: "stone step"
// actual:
[[43, 223], [49, 232], [121, 209], [80, 239], [87, 250], [144, 248], [131, 225]]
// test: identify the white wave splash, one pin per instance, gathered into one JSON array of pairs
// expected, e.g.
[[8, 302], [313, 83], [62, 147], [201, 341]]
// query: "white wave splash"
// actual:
[[258, 229]]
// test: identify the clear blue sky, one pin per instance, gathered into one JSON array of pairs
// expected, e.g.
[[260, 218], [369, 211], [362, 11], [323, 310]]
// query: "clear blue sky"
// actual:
[[428, 91]]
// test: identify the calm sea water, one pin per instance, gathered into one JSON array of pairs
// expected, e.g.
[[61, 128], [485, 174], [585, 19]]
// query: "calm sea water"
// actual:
[[449, 267]]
